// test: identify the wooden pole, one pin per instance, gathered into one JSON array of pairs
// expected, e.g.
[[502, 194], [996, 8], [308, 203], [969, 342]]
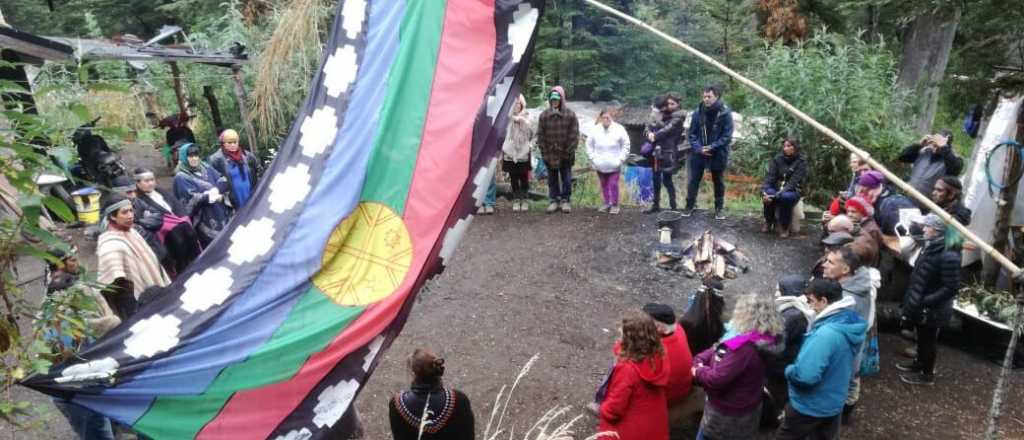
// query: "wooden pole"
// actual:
[[211, 98], [909, 190], [178, 89], [243, 108]]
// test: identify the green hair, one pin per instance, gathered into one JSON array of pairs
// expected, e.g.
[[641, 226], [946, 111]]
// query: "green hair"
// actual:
[[954, 241]]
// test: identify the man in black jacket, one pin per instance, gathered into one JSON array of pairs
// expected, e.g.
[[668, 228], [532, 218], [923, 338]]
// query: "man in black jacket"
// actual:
[[934, 285], [932, 157], [946, 193], [710, 139], [781, 189]]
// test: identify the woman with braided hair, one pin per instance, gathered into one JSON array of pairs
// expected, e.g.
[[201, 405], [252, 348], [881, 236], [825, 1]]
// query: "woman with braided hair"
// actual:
[[449, 413]]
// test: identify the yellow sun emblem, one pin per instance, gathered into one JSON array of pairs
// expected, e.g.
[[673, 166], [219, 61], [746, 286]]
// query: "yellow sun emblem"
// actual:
[[366, 258]]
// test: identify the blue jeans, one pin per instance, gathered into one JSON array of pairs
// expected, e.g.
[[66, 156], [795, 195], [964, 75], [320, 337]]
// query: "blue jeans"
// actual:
[[87, 424], [491, 198], [697, 167], [783, 205], [560, 183]]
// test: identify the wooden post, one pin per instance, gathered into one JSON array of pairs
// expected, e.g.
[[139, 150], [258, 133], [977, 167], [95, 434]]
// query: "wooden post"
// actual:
[[1005, 203], [178, 89], [243, 109], [211, 99]]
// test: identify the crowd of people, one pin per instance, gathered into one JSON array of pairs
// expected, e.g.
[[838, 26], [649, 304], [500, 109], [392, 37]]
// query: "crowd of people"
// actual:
[[147, 237], [793, 360]]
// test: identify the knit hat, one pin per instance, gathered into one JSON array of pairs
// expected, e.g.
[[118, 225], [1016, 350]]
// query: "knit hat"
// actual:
[[792, 285], [952, 182], [837, 239], [862, 206], [871, 179], [662, 313], [554, 97], [932, 221]]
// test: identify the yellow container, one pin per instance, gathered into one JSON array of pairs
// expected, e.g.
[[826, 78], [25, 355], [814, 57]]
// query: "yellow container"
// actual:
[[87, 203]]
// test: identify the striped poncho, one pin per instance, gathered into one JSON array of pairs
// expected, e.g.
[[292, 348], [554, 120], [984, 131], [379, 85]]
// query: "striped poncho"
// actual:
[[125, 254]]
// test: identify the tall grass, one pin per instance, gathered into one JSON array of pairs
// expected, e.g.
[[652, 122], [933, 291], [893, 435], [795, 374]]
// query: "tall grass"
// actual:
[[550, 426]]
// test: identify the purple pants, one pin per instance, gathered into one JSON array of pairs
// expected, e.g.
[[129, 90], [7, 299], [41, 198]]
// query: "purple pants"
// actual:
[[609, 187]]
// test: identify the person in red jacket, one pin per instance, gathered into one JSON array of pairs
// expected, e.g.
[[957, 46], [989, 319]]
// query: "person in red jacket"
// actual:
[[677, 351], [635, 407]]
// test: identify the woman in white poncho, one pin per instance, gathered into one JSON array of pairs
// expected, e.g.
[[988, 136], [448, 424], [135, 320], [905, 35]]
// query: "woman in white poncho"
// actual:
[[608, 147]]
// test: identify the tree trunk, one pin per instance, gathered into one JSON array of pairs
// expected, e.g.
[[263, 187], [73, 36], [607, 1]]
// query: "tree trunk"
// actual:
[[927, 42], [211, 99], [179, 91]]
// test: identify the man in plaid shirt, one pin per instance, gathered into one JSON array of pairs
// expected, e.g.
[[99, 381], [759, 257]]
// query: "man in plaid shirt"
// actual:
[[558, 134]]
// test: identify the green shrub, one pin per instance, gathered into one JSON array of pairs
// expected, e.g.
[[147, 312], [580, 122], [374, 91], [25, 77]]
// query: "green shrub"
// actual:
[[845, 84]]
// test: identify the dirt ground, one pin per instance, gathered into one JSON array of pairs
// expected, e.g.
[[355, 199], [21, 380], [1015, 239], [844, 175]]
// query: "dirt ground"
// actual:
[[556, 285]]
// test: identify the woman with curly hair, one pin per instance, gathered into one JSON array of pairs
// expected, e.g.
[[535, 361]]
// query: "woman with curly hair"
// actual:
[[449, 414], [635, 407], [733, 371]]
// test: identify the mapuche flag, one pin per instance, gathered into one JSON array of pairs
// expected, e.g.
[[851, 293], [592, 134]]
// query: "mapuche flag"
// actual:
[[276, 327]]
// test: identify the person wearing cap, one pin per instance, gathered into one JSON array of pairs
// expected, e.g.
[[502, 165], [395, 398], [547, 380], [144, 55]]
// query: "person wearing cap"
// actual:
[[833, 241], [198, 187], [819, 377], [782, 185], [947, 194], [928, 305], [663, 134], [558, 135], [932, 157], [710, 138], [797, 315], [125, 262], [863, 244], [862, 214], [164, 216], [238, 166]]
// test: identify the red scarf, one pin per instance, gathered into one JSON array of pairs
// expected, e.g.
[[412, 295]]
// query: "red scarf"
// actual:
[[235, 156]]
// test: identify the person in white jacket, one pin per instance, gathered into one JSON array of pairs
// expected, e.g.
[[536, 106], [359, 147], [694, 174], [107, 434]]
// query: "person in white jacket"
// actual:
[[608, 147], [515, 153]]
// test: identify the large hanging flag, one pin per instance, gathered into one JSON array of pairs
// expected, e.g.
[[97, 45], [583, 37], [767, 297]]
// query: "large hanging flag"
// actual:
[[276, 327]]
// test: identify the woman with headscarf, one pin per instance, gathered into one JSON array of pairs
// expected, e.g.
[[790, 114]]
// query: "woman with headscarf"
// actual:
[[162, 214], [198, 186], [733, 372], [449, 414], [515, 153], [239, 167]]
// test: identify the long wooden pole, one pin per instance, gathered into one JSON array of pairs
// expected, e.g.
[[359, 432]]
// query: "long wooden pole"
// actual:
[[1005, 262]]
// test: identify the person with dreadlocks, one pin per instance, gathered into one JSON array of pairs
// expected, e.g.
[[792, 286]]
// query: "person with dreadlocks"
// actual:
[[198, 186], [126, 263], [163, 215], [239, 167], [947, 194]]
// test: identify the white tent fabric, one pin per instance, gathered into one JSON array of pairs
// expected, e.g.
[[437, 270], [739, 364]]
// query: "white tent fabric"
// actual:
[[1002, 126]]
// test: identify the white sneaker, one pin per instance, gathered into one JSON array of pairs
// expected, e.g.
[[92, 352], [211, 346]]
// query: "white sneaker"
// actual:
[[524, 205], [604, 208], [490, 210], [515, 206], [614, 209]]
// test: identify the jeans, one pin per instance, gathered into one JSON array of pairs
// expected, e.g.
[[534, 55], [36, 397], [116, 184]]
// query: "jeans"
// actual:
[[609, 187], [697, 168], [87, 424], [491, 198], [560, 183], [798, 426], [664, 178], [927, 346], [783, 204]]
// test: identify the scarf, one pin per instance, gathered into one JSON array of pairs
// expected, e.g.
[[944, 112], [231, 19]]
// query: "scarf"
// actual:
[[233, 155], [751, 336], [183, 165]]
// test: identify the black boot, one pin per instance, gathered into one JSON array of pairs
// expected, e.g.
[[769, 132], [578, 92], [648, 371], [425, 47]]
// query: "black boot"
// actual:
[[848, 413]]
